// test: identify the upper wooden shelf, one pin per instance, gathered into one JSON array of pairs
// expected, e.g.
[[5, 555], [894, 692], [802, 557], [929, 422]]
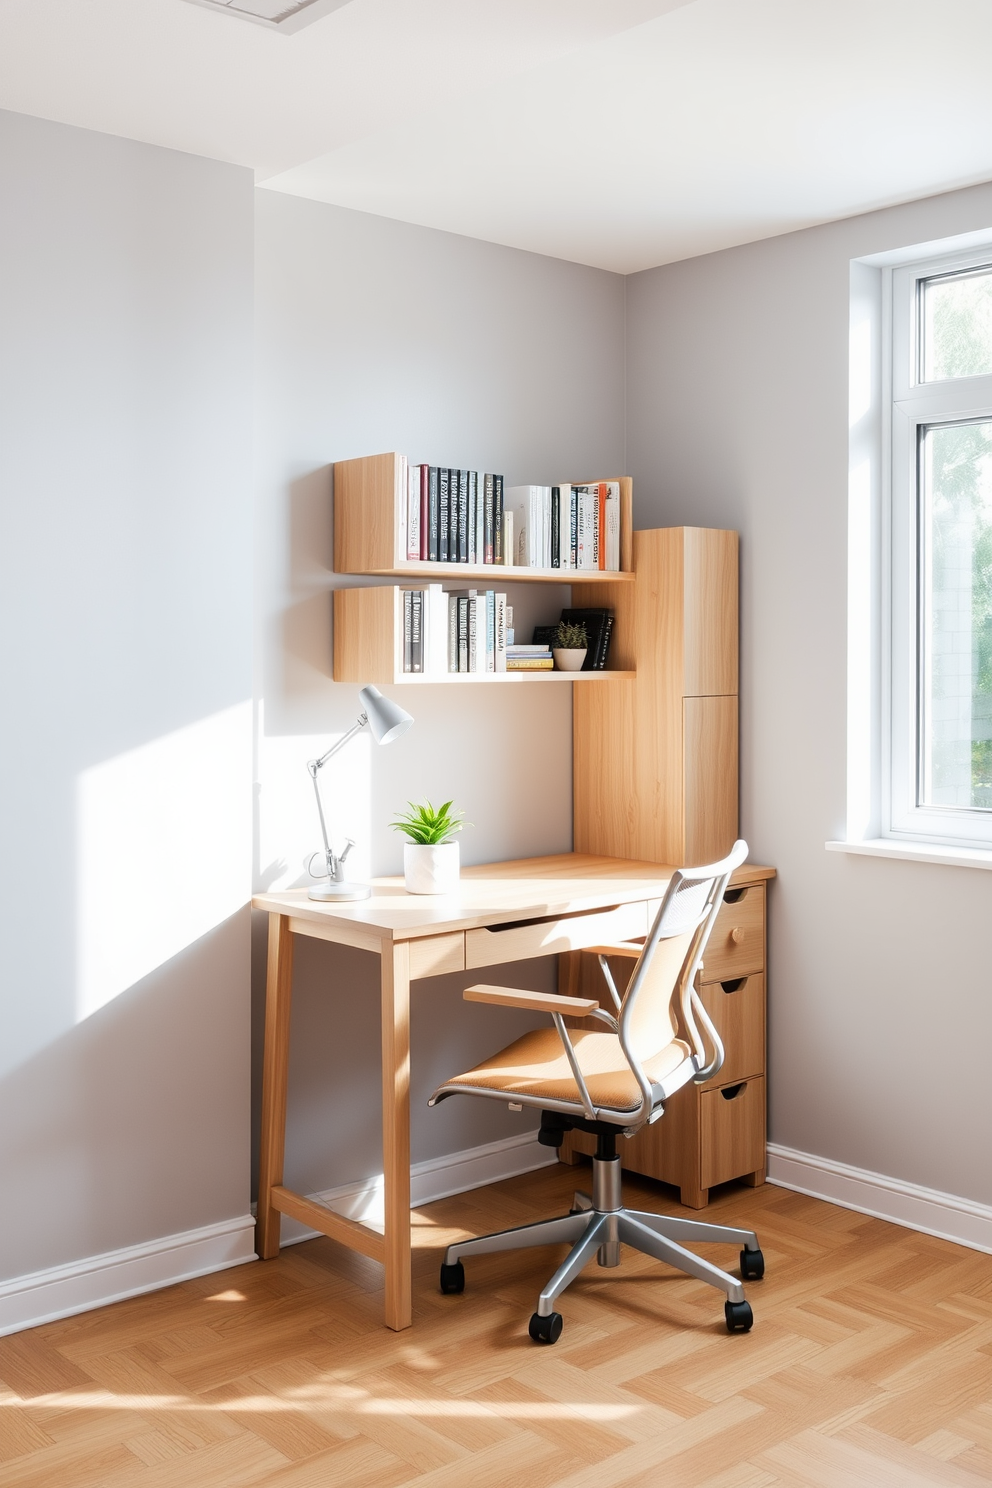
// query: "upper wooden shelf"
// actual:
[[367, 533]]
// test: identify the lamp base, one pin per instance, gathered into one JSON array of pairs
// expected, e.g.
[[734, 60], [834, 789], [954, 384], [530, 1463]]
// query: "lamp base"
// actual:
[[334, 891]]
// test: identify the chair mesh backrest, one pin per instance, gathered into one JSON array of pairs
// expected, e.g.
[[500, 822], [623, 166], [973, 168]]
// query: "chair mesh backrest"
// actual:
[[673, 947]]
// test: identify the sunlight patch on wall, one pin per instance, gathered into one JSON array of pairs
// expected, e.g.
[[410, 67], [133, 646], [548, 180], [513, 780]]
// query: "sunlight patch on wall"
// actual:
[[288, 825], [164, 855]]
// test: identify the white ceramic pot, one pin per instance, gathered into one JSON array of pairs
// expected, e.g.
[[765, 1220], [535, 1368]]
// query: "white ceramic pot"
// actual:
[[568, 661], [429, 869]]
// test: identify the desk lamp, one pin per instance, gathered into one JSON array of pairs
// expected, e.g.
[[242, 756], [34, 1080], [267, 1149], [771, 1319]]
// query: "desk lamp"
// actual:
[[387, 721]]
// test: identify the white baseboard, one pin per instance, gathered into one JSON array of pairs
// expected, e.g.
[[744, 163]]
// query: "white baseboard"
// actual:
[[44, 1296], [437, 1178], [61, 1291], [926, 1209]]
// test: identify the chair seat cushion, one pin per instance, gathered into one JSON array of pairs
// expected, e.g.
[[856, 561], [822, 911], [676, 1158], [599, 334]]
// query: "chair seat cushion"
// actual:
[[537, 1066]]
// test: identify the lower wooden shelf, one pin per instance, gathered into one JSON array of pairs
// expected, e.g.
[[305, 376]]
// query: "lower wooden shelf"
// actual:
[[368, 647]]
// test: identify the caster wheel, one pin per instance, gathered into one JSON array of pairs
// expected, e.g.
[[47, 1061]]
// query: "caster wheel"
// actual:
[[739, 1317], [546, 1329], [452, 1278], [752, 1265]]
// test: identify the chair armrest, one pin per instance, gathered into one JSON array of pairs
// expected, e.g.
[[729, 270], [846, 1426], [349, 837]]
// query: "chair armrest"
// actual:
[[616, 948], [538, 1002]]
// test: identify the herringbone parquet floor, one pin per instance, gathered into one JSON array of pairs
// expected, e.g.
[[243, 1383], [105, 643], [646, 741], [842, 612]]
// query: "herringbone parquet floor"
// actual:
[[870, 1363]]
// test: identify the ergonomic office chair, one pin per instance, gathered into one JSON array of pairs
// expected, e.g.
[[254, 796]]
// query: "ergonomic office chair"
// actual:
[[612, 1083]]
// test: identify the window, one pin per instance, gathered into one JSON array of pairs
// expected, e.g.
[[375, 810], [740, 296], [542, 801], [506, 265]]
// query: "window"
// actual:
[[937, 702]]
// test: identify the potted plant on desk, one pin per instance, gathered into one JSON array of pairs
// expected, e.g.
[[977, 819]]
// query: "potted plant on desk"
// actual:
[[569, 646], [431, 857]]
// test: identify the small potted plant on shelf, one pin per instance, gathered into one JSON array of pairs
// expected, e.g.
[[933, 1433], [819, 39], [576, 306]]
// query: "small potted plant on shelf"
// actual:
[[569, 646], [431, 857]]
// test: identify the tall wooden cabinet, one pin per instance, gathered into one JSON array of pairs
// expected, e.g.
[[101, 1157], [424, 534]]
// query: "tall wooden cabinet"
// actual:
[[655, 778]]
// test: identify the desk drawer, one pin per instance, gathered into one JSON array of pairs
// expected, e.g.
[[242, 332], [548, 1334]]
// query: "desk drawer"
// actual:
[[549, 937], [732, 1131], [738, 1011], [736, 947]]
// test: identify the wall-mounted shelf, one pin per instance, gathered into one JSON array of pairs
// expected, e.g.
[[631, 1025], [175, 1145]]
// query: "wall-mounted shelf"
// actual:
[[368, 644], [368, 498]]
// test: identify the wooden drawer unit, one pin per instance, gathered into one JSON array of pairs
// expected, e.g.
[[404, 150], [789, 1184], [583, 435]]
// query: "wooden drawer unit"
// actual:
[[713, 1133], [517, 942]]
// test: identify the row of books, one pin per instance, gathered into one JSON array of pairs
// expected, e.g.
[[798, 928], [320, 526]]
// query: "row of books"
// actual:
[[462, 630], [464, 516], [471, 631]]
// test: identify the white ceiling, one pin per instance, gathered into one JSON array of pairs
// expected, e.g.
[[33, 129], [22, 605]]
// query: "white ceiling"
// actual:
[[621, 133]]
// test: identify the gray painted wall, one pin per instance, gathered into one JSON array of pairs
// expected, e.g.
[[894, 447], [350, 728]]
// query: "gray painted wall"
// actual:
[[737, 381], [125, 635], [375, 335]]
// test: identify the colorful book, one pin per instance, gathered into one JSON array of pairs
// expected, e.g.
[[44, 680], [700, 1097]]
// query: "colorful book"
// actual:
[[499, 551], [433, 515]]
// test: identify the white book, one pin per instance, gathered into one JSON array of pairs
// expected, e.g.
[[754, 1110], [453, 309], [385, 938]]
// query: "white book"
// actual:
[[499, 657], [612, 534], [588, 522], [402, 498], [546, 506], [526, 504], [413, 514], [480, 516], [436, 633], [477, 635], [508, 539]]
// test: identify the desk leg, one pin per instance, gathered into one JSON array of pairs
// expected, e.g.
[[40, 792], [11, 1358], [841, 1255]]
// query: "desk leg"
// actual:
[[275, 1072], [396, 1130]]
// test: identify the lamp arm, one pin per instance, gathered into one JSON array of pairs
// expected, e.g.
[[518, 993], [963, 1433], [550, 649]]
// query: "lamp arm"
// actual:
[[314, 766]]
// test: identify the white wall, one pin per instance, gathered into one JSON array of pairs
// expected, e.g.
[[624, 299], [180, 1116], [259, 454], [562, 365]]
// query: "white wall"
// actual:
[[125, 634], [375, 335], [880, 1014]]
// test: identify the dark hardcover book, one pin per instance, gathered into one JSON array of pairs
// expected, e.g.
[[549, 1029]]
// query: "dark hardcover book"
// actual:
[[425, 512], [555, 527], [452, 633], [488, 529], [544, 635], [573, 530], [463, 516], [433, 517], [407, 629], [462, 633], [604, 645], [594, 621], [498, 555], [443, 513], [416, 630], [453, 516], [474, 545]]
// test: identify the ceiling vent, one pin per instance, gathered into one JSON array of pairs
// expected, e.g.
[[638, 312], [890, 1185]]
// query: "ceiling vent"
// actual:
[[278, 15]]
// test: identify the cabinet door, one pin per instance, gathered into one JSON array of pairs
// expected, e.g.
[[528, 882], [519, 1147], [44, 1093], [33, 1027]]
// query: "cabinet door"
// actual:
[[732, 1131]]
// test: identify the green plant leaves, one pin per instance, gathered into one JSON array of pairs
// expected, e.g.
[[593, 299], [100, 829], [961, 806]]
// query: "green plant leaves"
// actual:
[[429, 825]]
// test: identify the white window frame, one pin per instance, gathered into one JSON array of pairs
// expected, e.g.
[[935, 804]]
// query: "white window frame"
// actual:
[[907, 405]]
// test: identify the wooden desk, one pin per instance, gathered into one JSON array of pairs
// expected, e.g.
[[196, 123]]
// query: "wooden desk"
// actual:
[[502, 912]]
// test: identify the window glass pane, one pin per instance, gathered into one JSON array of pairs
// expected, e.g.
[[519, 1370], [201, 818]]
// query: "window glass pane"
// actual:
[[956, 616], [957, 326]]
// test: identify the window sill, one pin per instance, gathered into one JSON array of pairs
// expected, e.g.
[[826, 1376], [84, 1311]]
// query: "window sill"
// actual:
[[916, 852]]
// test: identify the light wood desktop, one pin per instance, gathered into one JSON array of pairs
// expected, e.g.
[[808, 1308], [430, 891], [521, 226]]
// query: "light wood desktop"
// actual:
[[503, 912]]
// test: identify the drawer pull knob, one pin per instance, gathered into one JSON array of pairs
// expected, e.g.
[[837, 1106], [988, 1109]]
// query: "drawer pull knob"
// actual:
[[737, 935], [735, 985], [731, 1092]]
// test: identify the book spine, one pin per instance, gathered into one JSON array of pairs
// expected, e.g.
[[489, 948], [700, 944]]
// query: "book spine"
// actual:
[[473, 504], [573, 528], [443, 513], [407, 630], [463, 516], [416, 630], [433, 513], [613, 526], [413, 514], [601, 526], [490, 631], [499, 552], [499, 633], [605, 636], [555, 527], [488, 534], [478, 500], [425, 512], [462, 603], [507, 527], [452, 633]]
